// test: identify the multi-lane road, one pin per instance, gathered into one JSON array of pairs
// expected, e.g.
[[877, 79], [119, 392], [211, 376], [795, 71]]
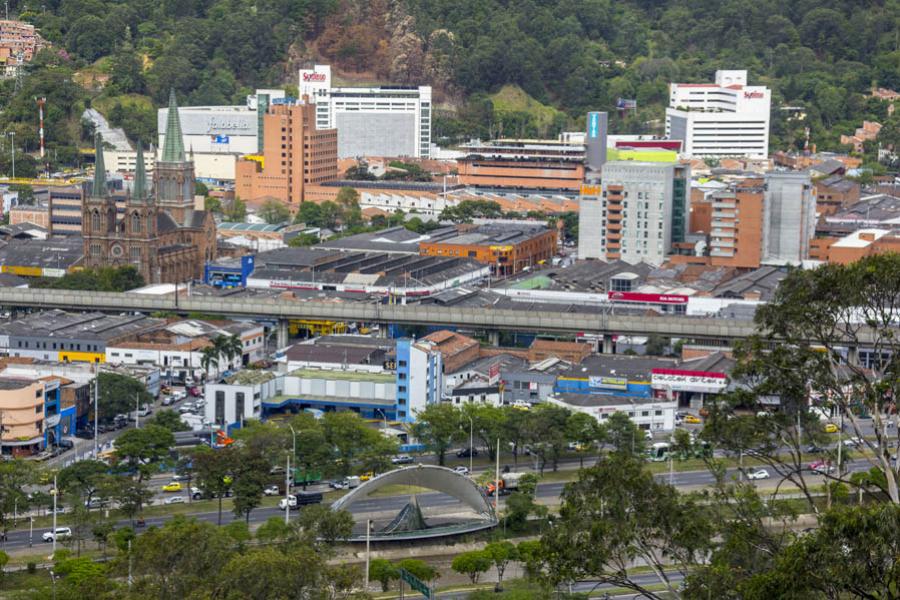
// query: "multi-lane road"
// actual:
[[387, 506]]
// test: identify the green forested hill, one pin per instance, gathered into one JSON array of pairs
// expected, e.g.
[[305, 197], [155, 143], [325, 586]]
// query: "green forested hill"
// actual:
[[567, 55]]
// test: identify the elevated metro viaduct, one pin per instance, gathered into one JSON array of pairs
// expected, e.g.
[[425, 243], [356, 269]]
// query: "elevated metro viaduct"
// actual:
[[490, 320]]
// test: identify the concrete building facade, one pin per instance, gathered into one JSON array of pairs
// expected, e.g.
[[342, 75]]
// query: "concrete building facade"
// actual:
[[371, 121], [638, 212], [295, 154], [32, 416], [789, 218], [720, 119]]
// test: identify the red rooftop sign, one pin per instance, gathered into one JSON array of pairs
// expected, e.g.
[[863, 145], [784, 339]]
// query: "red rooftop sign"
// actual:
[[647, 298]]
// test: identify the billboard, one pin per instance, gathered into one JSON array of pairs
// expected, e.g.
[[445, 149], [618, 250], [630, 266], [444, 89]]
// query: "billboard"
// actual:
[[595, 140], [315, 81], [610, 383], [647, 298], [679, 380]]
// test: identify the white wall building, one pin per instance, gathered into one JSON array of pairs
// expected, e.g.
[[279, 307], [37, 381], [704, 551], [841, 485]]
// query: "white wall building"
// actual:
[[371, 121], [725, 118], [789, 218], [650, 414]]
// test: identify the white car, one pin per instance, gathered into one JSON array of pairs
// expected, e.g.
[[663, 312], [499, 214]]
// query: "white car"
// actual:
[[60, 533], [758, 474], [174, 500], [462, 470], [272, 490], [853, 442]]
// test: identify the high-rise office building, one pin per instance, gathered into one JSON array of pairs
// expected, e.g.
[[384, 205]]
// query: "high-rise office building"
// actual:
[[295, 154], [371, 121], [725, 118]]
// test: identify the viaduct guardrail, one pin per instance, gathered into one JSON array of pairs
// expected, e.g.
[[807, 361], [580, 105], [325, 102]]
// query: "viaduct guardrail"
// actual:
[[487, 319]]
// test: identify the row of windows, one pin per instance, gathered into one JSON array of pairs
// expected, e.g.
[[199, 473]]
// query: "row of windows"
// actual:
[[57, 346]]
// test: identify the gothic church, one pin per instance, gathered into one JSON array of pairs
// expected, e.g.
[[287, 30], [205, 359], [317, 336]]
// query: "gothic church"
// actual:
[[160, 232]]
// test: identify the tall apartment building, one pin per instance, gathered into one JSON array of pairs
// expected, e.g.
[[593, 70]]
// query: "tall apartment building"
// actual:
[[725, 118], [636, 214], [763, 221], [371, 121], [789, 219], [295, 154], [736, 229]]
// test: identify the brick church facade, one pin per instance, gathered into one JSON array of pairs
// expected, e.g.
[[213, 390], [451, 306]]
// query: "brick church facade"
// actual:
[[160, 232]]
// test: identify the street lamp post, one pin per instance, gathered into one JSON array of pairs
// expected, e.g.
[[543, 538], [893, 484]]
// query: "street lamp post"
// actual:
[[287, 492], [54, 493], [294, 441], [368, 535], [471, 449]]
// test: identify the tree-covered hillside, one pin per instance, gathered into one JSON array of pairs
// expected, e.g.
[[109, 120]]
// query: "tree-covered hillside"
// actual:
[[567, 56]]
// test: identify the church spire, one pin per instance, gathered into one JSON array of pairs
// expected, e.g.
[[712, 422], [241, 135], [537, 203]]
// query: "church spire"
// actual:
[[173, 149], [140, 175], [99, 189]]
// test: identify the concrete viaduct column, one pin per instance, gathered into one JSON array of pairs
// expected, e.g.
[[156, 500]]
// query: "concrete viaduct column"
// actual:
[[282, 334], [607, 344], [494, 337]]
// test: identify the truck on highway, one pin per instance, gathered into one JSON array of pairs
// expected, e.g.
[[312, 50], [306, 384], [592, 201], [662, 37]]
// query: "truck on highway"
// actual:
[[509, 482]]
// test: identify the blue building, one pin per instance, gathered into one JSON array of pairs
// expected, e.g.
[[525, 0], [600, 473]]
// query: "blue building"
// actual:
[[232, 272]]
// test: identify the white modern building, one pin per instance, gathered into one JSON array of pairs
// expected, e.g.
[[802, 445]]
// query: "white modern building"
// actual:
[[725, 118], [217, 135], [392, 121], [637, 212], [650, 414], [789, 218]]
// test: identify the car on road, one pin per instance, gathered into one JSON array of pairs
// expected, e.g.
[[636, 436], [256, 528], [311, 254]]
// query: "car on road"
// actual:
[[831, 428], [196, 493], [96, 503], [758, 474], [174, 500], [272, 490], [366, 476], [462, 470], [821, 466], [853, 442], [60, 533], [173, 486], [403, 459], [168, 401], [692, 419], [467, 452], [813, 449]]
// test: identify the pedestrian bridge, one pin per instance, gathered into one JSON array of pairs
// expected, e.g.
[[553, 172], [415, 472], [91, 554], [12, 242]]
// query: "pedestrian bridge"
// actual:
[[439, 479]]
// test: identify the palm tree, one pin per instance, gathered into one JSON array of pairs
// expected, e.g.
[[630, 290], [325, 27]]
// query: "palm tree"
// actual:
[[234, 347], [209, 357]]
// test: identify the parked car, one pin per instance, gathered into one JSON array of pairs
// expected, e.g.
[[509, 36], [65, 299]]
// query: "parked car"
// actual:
[[467, 452], [272, 490], [758, 474], [96, 503], [403, 459], [172, 486], [692, 419], [175, 500], [60, 533]]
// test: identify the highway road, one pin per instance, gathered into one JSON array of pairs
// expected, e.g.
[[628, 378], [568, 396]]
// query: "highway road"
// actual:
[[387, 506]]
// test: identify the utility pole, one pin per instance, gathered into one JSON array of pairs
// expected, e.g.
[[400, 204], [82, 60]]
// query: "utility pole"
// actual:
[[130, 578], [497, 483], [96, 414], [54, 493], [368, 535], [12, 151], [287, 492], [137, 407]]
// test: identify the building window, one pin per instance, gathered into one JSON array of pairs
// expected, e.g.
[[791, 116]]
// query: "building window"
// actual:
[[135, 223], [401, 388], [95, 221], [645, 413], [220, 406], [38, 409], [135, 254], [239, 405], [657, 412]]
